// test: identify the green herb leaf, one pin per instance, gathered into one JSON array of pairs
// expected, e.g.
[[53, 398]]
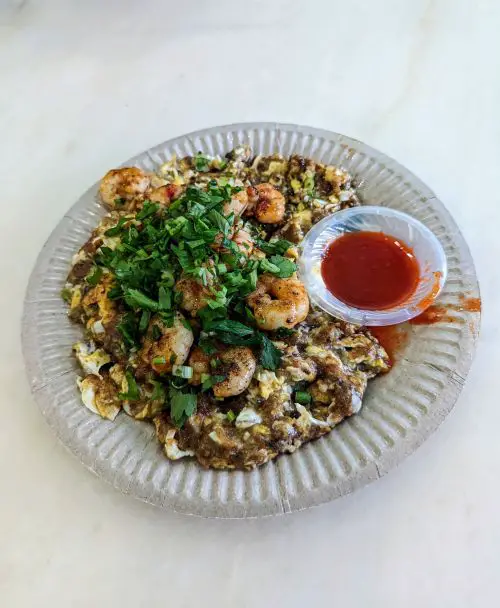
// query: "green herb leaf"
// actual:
[[182, 406], [201, 163], [285, 266], [95, 277], [128, 329], [207, 380], [278, 247], [156, 332], [303, 397], [137, 299], [115, 230], [66, 295], [207, 346], [165, 298], [270, 356], [148, 210], [144, 322], [231, 327], [231, 416], [132, 393], [159, 392], [219, 221], [284, 332]]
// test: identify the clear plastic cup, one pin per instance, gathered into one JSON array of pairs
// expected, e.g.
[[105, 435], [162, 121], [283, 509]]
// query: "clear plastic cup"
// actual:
[[425, 245]]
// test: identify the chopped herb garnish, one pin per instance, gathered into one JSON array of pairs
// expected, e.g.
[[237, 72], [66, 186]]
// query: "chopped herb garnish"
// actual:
[[231, 416], [284, 332], [279, 266], [270, 356], [132, 393], [182, 406], [67, 294], [303, 397], [144, 322], [95, 277], [137, 299], [207, 380], [159, 393], [275, 247], [201, 163], [165, 298], [182, 371], [116, 230], [156, 332]]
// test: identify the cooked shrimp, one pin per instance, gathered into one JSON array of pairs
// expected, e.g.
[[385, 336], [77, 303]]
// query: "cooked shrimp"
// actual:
[[240, 237], [165, 194], [238, 366], [267, 204], [237, 204], [194, 295], [244, 241], [289, 306], [120, 185], [170, 348], [200, 362]]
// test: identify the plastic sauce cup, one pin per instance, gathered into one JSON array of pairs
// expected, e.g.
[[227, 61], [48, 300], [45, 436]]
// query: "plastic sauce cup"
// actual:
[[426, 247]]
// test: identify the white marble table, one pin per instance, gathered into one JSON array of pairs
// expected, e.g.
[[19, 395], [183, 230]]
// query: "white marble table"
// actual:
[[85, 85]]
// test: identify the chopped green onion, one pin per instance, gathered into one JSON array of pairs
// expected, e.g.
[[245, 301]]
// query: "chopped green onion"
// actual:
[[159, 361], [182, 371], [231, 416]]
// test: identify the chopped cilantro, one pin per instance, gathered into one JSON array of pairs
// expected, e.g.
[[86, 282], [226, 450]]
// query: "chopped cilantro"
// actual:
[[95, 277], [284, 332], [201, 163], [159, 393], [270, 356], [207, 380], [279, 266], [231, 327], [182, 406], [274, 247]]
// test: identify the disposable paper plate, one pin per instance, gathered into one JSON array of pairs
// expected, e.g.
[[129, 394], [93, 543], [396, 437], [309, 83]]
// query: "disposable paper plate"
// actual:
[[400, 410]]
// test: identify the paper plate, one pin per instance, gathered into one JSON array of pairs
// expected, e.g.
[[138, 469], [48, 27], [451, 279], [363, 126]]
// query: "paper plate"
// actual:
[[400, 410]]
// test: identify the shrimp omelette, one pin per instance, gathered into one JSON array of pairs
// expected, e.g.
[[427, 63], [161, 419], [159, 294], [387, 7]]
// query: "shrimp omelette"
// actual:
[[195, 318]]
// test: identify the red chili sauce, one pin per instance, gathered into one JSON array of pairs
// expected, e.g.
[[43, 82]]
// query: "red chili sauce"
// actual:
[[370, 270]]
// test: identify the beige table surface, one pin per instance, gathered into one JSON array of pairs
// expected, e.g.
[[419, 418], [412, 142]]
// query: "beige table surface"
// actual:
[[85, 85]]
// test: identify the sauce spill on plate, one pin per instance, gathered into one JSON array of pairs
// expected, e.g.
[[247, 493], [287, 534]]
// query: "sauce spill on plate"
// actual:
[[444, 314], [393, 338], [370, 270]]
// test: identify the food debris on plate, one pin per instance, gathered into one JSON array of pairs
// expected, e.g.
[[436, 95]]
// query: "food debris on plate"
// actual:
[[194, 316]]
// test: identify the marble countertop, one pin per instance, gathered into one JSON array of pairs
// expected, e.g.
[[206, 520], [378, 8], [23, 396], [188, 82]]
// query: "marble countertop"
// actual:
[[85, 85]]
